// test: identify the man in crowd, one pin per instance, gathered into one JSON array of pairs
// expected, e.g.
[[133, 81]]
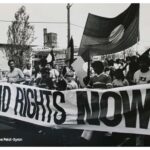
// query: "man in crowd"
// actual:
[[15, 75], [54, 74], [27, 73], [142, 76]]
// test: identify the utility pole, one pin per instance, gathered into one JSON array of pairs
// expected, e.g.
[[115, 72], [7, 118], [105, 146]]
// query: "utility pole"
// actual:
[[68, 31], [68, 22]]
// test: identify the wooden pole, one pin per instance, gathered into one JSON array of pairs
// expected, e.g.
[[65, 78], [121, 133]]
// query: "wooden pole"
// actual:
[[68, 23], [68, 30]]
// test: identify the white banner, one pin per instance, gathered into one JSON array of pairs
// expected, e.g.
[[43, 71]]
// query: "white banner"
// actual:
[[125, 109]]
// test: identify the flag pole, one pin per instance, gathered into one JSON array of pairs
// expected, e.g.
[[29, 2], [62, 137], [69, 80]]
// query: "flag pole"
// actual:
[[137, 46], [89, 63], [137, 43], [52, 56]]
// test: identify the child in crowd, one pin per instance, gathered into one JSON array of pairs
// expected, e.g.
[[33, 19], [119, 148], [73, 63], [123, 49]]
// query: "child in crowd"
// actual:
[[101, 79]]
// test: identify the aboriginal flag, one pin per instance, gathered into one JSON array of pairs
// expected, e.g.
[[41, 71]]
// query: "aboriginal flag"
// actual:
[[103, 36]]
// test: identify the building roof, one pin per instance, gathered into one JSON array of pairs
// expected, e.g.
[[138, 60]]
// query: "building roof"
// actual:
[[47, 49]]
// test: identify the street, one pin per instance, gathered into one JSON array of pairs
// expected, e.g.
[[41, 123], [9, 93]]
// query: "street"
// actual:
[[25, 134]]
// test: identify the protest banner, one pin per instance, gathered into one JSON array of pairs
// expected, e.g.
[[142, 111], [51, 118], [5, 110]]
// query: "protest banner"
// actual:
[[125, 109]]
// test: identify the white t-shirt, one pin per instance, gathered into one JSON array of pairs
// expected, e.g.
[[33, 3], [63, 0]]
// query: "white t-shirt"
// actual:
[[117, 66], [141, 78], [27, 73]]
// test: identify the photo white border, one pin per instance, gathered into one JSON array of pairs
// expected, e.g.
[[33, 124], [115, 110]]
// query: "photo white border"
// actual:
[[74, 1]]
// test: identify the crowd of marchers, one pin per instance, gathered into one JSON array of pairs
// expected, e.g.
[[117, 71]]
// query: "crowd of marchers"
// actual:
[[103, 74], [43, 75]]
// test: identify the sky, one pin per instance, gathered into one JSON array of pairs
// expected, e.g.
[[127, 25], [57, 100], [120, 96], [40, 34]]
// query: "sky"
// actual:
[[78, 15]]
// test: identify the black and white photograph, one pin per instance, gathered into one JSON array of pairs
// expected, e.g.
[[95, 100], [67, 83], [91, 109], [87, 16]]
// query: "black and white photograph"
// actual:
[[74, 74]]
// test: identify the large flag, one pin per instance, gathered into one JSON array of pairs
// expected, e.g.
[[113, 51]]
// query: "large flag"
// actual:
[[110, 35]]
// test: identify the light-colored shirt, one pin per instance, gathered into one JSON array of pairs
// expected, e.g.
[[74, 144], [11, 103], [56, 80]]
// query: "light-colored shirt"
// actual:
[[72, 85], [141, 78], [15, 75], [117, 66], [27, 74]]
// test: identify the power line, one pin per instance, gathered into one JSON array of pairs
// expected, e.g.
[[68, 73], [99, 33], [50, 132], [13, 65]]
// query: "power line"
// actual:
[[46, 22], [5, 21], [77, 25], [37, 22]]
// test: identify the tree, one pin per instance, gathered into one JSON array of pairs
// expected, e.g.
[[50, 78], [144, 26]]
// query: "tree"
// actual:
[[20, 36]]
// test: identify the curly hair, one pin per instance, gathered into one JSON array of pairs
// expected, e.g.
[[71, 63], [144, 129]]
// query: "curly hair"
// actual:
[[98, 67]]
